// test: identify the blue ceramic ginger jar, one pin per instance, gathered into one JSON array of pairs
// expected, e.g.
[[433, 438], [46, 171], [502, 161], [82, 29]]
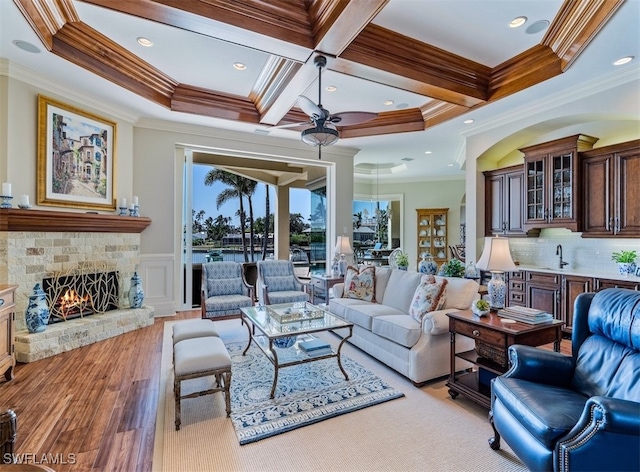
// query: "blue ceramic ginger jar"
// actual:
[[427, 265], [136, 293], [37, 314]]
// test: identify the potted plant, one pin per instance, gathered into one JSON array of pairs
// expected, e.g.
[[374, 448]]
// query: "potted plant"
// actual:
[[626, 261], [480, 307], [453, 268], [403, 261]]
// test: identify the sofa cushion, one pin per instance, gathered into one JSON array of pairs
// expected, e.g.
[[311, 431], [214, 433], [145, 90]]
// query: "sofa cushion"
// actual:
[[338, 306], [537, 408], [427, 297], [460, 292], [279, 283], [401, 329], [363, 315], [382, 279], [400, 289], [360, 284]]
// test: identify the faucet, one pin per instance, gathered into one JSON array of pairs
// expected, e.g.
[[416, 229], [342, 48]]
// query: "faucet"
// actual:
[[562, 263]]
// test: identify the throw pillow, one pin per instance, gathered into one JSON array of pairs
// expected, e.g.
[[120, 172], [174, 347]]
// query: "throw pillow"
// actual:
[[427, 296], [360, 284]]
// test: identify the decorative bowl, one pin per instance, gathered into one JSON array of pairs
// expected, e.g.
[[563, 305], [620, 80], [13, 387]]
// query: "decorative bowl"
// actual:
[[284, 343]]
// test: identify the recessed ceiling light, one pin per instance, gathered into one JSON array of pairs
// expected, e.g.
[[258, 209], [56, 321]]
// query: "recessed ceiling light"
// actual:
[[537, 27], [239, 66], [25, 46], [623, 60], [517, 22], [428, 152], [401, 106], [331, 88], [387, 102], [449, 165], [142, 41], [466, 122]]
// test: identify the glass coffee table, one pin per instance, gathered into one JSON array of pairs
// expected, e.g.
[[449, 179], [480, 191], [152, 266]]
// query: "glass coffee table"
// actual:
[[279, 331]]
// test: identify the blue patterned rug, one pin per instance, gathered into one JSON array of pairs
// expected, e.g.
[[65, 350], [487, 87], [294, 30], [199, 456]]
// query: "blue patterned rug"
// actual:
[[305, 394]]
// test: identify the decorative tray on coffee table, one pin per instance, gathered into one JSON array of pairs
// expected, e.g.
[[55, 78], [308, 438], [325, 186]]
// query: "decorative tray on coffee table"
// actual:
[[291, 314]]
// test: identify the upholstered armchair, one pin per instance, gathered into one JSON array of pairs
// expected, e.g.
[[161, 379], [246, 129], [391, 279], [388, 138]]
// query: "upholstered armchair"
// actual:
[[224, 290], [578, 412], [278, 283]]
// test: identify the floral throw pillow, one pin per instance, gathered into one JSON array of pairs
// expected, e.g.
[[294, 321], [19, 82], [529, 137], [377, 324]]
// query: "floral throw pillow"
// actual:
[[360, 284], [427, 297]]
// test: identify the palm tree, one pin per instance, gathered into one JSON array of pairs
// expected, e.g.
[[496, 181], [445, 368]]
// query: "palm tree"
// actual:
[[237, 189], [249, 188], [267, 219]]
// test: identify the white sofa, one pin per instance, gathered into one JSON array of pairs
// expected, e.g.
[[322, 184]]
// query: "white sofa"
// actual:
[[385, 330]]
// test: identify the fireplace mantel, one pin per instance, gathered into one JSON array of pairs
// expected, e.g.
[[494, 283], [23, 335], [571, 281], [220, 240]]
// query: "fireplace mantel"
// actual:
[[12, 219]]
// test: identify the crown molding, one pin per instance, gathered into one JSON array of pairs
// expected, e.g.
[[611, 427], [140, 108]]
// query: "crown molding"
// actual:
[[50, 86]]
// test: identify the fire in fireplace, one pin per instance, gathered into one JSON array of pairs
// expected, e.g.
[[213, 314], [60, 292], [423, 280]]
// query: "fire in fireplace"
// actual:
[[76, 294]]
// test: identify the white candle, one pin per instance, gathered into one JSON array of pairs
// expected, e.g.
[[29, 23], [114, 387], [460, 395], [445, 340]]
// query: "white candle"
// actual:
[[6, 189], [131, 207], [123, 203], [135, 200], [24, 200]]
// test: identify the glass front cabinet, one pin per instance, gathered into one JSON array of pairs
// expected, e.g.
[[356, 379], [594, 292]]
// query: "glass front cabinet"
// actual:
[[552, 184], [432, 233]]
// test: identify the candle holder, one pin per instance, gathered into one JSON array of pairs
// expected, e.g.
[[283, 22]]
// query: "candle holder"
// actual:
[[123, 211], [132, 211], [6, 201], [136, 210], [23, 207]]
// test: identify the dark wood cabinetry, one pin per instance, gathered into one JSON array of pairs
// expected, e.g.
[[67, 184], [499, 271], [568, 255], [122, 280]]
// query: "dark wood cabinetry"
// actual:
[[7, 316], [504, 203], [572, 286], [601, 284], [610, 177], [552, 186], [544, 292], [516, 289]]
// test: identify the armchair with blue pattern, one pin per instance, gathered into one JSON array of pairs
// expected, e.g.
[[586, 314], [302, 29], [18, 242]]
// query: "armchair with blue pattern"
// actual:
[[224, 290], [278, 283], [578, 412]]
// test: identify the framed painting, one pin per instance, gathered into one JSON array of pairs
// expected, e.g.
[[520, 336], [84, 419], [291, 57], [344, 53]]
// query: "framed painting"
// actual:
[[76, 157]]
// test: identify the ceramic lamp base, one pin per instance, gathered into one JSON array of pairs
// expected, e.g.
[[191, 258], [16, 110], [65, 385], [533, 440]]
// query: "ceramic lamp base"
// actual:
[[497, 289]]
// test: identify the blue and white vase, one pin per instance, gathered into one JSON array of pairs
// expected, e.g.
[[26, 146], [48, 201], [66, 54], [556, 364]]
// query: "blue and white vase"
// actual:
[[136, 293], [427, 265], [37, 314]]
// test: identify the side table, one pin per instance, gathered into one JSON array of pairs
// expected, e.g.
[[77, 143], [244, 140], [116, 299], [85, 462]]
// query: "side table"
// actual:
[[320, 286], [490, 358]]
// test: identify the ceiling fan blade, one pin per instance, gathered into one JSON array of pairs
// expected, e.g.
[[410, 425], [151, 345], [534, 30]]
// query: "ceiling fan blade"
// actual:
[[292, 125], [309, 107], [349, 118]]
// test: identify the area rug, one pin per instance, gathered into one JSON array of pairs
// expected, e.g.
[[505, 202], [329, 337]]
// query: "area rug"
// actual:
[[305, 394]]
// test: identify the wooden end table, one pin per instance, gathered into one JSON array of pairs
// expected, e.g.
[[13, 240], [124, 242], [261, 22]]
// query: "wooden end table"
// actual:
[[493, 338], [320, 286]]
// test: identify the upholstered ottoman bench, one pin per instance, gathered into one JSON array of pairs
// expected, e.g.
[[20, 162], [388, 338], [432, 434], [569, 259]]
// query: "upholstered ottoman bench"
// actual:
[[189, 329], [201, 357]]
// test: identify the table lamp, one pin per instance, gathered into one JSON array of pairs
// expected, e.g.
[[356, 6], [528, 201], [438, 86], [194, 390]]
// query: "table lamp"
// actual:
[[496, 258], [343, 247]]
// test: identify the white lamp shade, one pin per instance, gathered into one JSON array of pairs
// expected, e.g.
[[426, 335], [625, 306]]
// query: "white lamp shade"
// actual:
[[343, 246], [496, 255]]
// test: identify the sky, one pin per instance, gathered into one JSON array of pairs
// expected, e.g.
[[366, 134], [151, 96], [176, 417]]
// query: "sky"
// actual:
[[204, 198]]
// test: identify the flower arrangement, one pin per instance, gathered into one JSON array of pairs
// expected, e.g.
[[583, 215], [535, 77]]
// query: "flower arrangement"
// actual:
[[480, 307]]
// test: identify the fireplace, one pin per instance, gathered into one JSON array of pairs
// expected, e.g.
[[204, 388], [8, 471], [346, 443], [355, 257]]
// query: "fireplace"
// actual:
[[80, 292]]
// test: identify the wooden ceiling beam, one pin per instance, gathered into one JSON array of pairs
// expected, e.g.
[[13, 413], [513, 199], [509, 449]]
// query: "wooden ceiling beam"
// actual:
[[389, 122], [47, 18]]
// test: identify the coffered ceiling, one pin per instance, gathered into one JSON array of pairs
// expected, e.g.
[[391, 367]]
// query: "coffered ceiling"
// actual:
[[438, 62]]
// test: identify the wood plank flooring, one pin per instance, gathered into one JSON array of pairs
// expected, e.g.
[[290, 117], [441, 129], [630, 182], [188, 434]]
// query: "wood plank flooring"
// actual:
[[94, 408]]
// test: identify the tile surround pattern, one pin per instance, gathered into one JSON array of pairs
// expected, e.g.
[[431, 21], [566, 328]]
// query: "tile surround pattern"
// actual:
[[31, 256]]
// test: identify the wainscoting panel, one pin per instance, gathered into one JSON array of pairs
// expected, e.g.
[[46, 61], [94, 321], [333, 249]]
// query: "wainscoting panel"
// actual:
[[156, 271]]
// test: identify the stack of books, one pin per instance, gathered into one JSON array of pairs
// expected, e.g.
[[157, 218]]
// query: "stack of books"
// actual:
[[526, 315], [315, 347]]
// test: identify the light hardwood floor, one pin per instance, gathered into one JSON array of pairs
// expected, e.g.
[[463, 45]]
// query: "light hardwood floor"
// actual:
[[94, 408]]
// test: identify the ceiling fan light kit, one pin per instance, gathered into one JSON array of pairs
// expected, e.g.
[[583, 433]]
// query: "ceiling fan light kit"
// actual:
[[320, 136]]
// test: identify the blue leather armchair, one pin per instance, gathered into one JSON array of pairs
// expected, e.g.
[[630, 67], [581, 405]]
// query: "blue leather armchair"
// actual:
[[578, 412]]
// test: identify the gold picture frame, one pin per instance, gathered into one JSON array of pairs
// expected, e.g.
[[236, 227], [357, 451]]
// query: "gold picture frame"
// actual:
[[76, 157]]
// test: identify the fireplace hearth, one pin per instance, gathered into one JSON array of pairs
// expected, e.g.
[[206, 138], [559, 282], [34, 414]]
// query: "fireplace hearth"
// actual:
[[81, 292]]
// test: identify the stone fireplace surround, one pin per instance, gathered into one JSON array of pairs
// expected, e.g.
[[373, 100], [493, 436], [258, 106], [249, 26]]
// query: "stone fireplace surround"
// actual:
[[35, 243]]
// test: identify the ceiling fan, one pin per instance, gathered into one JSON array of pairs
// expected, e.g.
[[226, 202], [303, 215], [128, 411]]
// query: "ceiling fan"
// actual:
[[324, 132]]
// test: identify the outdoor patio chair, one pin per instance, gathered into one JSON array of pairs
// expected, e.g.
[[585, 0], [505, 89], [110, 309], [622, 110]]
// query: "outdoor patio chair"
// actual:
[[278, 283]]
